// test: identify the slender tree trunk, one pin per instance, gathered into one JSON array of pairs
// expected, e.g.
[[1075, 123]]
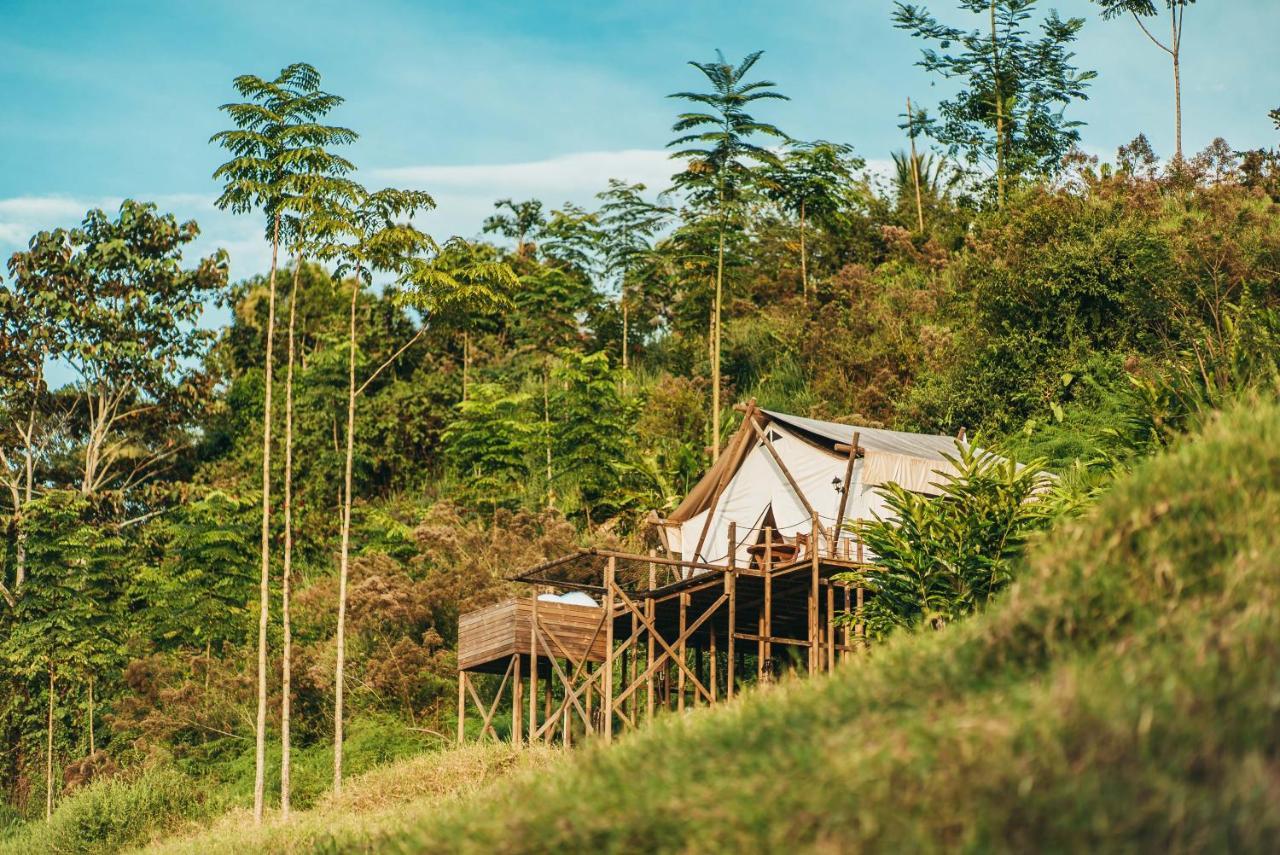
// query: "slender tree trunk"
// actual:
[[28, 464], [344, 559], [93, 746], [715, 349], [995, 76], [804, 257], [546, 428], [48, 759], [1176, 50], [915, 168], [466, 362], [624, 331], [264, 587], [286, 668]]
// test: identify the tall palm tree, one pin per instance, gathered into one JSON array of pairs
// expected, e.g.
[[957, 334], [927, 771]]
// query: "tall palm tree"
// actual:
[[316, 186], [1140, 9], [274, 129], [375, 234], [717, 143]]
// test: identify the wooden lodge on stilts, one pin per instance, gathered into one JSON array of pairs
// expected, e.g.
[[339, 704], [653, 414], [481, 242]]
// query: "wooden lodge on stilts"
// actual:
[[742, 590]]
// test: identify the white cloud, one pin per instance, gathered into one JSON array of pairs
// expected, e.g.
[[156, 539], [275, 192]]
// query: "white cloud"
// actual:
[[465, 194]]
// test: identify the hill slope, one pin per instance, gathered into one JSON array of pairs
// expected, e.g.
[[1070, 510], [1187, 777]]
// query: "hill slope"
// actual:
[[1124, 694]]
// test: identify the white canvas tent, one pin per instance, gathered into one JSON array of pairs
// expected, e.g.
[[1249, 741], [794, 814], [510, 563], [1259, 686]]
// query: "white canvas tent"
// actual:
[[749, 487]]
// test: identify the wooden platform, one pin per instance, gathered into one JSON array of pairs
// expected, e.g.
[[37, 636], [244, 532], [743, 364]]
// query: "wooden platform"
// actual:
[[488, 638]]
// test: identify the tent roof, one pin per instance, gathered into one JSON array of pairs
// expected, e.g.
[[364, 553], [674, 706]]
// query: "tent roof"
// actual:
[[909, 458], [924, 445]]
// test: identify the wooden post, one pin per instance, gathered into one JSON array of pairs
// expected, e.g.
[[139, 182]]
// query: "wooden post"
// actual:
[[713, 678], [847, 634], [631, 673], [861, 628], [844, 492], [546, 705], [831, 626], [766, 628], [648, 613], [680, 650], [533, 670], [731, 588], [610, 574], [517, 705], [813, 595], [462, 707]]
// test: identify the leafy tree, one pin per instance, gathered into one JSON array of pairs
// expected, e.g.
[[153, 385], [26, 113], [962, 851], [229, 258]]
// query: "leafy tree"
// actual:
[[276, 144], [812, 181], [1140, 9], [524, 220], [487, 445], [117, 308], [1009, 113], [569, 239], [591, 437], [718, 145], [628, 224], [315, 186], [66, 627], [941, 558], [377, 234]]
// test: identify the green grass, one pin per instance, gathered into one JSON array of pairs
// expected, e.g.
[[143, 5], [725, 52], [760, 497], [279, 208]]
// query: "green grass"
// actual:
[[1125, 695], [133, 809]]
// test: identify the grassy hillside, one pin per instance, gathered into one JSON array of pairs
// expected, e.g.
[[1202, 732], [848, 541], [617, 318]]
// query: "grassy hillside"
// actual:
[[1125, 694]]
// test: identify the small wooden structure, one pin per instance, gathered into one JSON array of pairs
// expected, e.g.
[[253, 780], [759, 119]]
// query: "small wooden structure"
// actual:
[[678, 629]]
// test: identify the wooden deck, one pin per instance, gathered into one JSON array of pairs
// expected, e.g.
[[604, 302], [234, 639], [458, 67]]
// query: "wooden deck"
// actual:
[[488, 638]]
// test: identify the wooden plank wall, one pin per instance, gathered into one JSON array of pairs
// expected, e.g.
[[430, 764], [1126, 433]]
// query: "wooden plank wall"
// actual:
[[490, 636]]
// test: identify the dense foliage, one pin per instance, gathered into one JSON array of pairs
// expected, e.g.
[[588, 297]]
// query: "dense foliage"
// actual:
[[500, 403]]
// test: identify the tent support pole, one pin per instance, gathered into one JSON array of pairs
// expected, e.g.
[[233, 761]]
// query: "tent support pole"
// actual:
[[844, 492], [777, 458]]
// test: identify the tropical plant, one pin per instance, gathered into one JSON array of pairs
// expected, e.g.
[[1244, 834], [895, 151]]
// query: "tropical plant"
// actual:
[[1140, 9], [315, 186], [812, 181], [628, 224], [1009, 113], [940, 558], [524, 221], [718, 146], [275, 133], [377, 234]]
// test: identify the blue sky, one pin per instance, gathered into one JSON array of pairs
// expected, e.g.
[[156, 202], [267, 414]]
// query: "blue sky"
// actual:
[[482, 99]]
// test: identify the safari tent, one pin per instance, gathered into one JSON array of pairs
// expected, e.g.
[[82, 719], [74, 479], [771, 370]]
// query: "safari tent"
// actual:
[[780, 471]]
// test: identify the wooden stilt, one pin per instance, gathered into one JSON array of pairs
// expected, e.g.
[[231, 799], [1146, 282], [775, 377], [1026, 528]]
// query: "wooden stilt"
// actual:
[[610, 586], [648, 611], [517, 704], [533, 671], [546, 703], [731, 587], [831, 627], [462, 707], [846, 628], [712, 672], [680, 651], [813, 595], [766, 622]]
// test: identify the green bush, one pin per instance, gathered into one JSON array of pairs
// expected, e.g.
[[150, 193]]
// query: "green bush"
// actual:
[[109, 815], [941, 558]]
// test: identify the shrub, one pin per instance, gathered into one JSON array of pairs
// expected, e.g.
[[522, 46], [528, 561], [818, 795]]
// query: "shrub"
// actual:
[[940, 558], [114, 813]]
